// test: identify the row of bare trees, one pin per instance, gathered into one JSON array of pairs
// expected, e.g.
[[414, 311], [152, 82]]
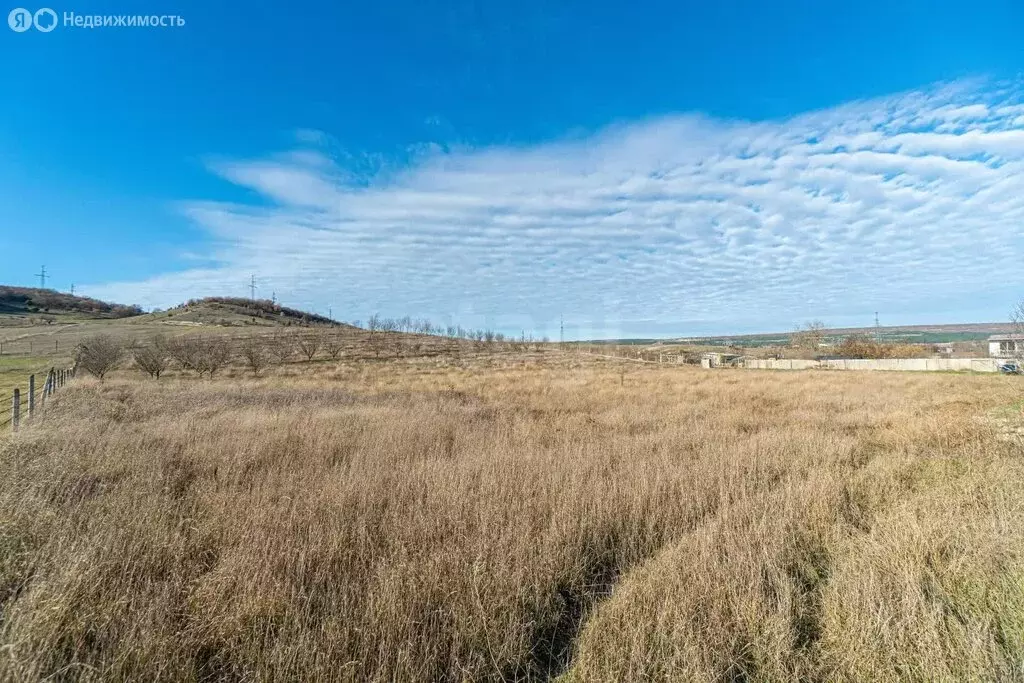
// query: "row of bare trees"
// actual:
[[205, 354], [408, 325], [202, 354]]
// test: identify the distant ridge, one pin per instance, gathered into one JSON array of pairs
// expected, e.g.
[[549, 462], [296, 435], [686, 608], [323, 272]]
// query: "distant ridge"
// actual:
[[931, 334], [46, 303], [935, 333]]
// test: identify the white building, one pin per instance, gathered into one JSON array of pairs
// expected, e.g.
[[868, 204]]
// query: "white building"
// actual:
[[1005, 345]]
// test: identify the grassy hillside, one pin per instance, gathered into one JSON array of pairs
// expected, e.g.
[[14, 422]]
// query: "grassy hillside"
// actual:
[[30, 305], [40, 329], [234, 311]]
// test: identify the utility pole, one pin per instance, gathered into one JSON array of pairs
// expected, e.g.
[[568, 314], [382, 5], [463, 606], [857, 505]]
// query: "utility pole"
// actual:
[[42, 277], [252, 287], [330, 313], [72, 289], [878, 329], [561, 329], [273, 297]]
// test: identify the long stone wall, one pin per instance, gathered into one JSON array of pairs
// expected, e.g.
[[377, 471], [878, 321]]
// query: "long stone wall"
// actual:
[[900, 364]]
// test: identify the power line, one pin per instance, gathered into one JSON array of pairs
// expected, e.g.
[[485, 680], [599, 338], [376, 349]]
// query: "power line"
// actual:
[[42, 277], [252, 287]]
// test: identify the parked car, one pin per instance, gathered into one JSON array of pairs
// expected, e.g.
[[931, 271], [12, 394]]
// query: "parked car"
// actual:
[[1011, 369]]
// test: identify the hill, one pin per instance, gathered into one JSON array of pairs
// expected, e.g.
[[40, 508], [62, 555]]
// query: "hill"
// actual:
[[234, 311], [27, 305]]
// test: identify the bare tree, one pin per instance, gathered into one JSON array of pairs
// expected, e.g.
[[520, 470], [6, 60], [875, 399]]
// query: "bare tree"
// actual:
[[253, 351], [184, 351], [98, 354], [333, 345], [152, 358], [280, 348], [214, 352], [809, 336], [308, 343], [1017, 318], [373, 326]]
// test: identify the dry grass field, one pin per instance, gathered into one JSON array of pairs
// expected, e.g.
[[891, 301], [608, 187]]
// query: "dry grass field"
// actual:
[[528, 519]]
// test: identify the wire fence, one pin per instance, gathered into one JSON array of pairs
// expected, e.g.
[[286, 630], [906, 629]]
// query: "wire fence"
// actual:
[[36, 345], [31, 404]]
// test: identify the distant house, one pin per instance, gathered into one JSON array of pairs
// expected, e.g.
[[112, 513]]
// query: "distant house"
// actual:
[[1004, 345]]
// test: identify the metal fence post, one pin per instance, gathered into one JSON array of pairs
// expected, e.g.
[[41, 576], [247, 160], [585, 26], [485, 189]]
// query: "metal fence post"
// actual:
[[16, 410], [31, 396]]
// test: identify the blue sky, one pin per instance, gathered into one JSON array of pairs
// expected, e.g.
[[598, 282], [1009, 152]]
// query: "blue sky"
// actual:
[[642, 169]]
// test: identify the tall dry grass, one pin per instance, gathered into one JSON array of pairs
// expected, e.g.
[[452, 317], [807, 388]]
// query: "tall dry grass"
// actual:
[[516, 524]]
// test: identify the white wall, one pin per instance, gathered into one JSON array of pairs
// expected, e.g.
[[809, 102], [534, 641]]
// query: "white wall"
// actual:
[[898, 364], [993, 349]]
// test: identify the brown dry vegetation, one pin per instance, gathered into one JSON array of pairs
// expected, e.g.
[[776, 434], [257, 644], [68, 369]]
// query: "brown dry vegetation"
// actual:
[[395, 522]]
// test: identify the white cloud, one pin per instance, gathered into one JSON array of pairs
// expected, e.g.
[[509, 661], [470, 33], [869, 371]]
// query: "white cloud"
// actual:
[[679, 224]]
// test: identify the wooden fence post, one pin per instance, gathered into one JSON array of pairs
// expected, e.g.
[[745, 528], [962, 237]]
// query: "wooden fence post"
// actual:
[[15, 410], [31, 396]]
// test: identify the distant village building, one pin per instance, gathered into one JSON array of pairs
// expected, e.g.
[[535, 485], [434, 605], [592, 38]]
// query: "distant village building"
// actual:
[[1005, 345], [714, 359]]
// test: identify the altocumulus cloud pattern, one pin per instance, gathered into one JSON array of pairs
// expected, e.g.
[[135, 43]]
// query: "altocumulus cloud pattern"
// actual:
[[893, 204]]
